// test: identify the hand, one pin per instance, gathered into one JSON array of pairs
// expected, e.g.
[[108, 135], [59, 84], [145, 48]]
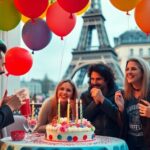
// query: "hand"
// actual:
[[22, 94], [97, 95], [119, 101], [15, 103], [144, 108]]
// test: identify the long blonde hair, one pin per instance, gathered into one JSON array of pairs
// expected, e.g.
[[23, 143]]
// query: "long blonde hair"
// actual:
[[145, 85]]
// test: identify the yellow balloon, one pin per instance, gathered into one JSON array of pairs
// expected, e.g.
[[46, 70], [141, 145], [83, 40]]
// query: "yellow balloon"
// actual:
[[125, 5], [84, 9], [25, 19]]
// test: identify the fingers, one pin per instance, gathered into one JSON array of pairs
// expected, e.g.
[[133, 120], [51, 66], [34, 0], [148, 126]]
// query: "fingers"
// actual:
[[144, 110], [145, 102]]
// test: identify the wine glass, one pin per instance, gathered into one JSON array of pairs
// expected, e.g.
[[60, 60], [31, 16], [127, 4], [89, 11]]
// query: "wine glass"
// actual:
[[32, 121]]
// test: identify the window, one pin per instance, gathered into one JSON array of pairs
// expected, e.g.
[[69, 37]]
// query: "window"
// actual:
[[131, 52], [141, 52], [149, 51]]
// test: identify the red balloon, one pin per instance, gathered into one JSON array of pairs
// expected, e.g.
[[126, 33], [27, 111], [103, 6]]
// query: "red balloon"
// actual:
[[18, 61], [142, 15], [73, 6], [31, 8], [59, 20]]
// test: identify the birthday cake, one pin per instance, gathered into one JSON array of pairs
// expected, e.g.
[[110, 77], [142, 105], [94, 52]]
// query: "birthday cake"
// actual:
[[62, 131]]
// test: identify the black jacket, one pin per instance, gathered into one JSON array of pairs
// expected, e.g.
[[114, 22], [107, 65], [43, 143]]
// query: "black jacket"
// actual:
[[6, 116], [105, 117]]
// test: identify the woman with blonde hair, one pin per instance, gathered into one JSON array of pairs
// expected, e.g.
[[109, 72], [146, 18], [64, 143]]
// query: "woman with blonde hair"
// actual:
[[65, 90], [134, 104]]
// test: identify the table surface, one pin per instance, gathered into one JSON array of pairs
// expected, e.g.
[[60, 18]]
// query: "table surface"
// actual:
[[38, 142]]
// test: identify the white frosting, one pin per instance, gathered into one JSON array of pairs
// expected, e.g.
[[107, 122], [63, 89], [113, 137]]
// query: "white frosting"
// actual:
[[70, 132]]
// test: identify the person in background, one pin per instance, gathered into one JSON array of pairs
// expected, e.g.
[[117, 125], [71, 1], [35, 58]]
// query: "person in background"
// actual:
[[98, 101], [49, 111], [3, 49], [134, 104], [8, 103]]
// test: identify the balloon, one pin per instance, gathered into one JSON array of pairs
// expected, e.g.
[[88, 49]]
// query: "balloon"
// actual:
[[84, 9], [36, 34], [59, 21], [25, 19], [18, 61], [31, 8], [73, 6], [142, 15], [125, 5], [9, 16]]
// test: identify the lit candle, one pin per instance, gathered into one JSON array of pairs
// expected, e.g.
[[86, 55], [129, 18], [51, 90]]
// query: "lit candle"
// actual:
[[76, 121], [81, 113], [32, 109], [68, 111], [58, 110]]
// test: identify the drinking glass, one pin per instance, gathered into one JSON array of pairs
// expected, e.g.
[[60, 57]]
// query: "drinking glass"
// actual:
[[23, 94]]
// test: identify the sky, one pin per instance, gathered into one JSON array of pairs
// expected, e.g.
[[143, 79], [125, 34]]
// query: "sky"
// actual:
[[54, 59]]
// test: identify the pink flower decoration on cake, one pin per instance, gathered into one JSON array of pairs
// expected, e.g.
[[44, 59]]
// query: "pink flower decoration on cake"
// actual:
[[63, 129], [78, 125], [64, 123]]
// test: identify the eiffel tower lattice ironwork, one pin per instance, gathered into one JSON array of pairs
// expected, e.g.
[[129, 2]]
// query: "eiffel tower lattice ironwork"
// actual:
[[86, 54]]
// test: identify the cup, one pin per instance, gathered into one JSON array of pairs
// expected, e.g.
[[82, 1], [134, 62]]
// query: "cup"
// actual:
[[17, 135], [25, 109], [23, 94]]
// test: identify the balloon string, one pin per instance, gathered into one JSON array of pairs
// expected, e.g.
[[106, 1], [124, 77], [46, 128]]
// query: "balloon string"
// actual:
[[61, 60], [128, 21]]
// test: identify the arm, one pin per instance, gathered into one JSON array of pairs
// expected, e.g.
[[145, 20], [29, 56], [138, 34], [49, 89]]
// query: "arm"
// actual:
[[6, 116], [90, 109], [110, 109], [43, 116]]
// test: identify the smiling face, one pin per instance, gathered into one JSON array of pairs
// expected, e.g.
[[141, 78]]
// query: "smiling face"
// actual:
[[96, 80], [133, 73], [65, 92]]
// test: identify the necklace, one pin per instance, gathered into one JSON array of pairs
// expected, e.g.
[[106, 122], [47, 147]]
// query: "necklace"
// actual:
[[136, 89]]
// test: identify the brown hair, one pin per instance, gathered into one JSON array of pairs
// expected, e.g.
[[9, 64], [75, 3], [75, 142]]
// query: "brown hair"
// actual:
[[145, 84], [54, 101]]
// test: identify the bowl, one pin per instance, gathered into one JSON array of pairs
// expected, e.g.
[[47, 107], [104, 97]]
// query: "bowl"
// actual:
[[17, 135]]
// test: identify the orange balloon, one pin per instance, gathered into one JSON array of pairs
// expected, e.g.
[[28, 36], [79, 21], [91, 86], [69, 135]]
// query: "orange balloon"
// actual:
[[84, 9], [124, 5], [142, 16]]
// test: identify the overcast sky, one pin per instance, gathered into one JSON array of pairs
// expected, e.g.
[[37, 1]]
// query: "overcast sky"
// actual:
[[55, 58]]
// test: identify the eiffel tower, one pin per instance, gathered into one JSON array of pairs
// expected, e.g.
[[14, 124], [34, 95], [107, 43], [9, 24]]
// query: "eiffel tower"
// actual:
[[86, 54]]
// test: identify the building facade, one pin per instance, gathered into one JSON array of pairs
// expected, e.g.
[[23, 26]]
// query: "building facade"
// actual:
[[132, 43]]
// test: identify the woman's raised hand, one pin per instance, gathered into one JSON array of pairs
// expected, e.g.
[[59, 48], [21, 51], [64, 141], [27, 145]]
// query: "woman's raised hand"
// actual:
[[119, 101]]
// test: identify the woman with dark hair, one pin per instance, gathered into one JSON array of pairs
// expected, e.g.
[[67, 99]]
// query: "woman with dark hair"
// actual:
[[134, 104], [65, 90], [98, 101]]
